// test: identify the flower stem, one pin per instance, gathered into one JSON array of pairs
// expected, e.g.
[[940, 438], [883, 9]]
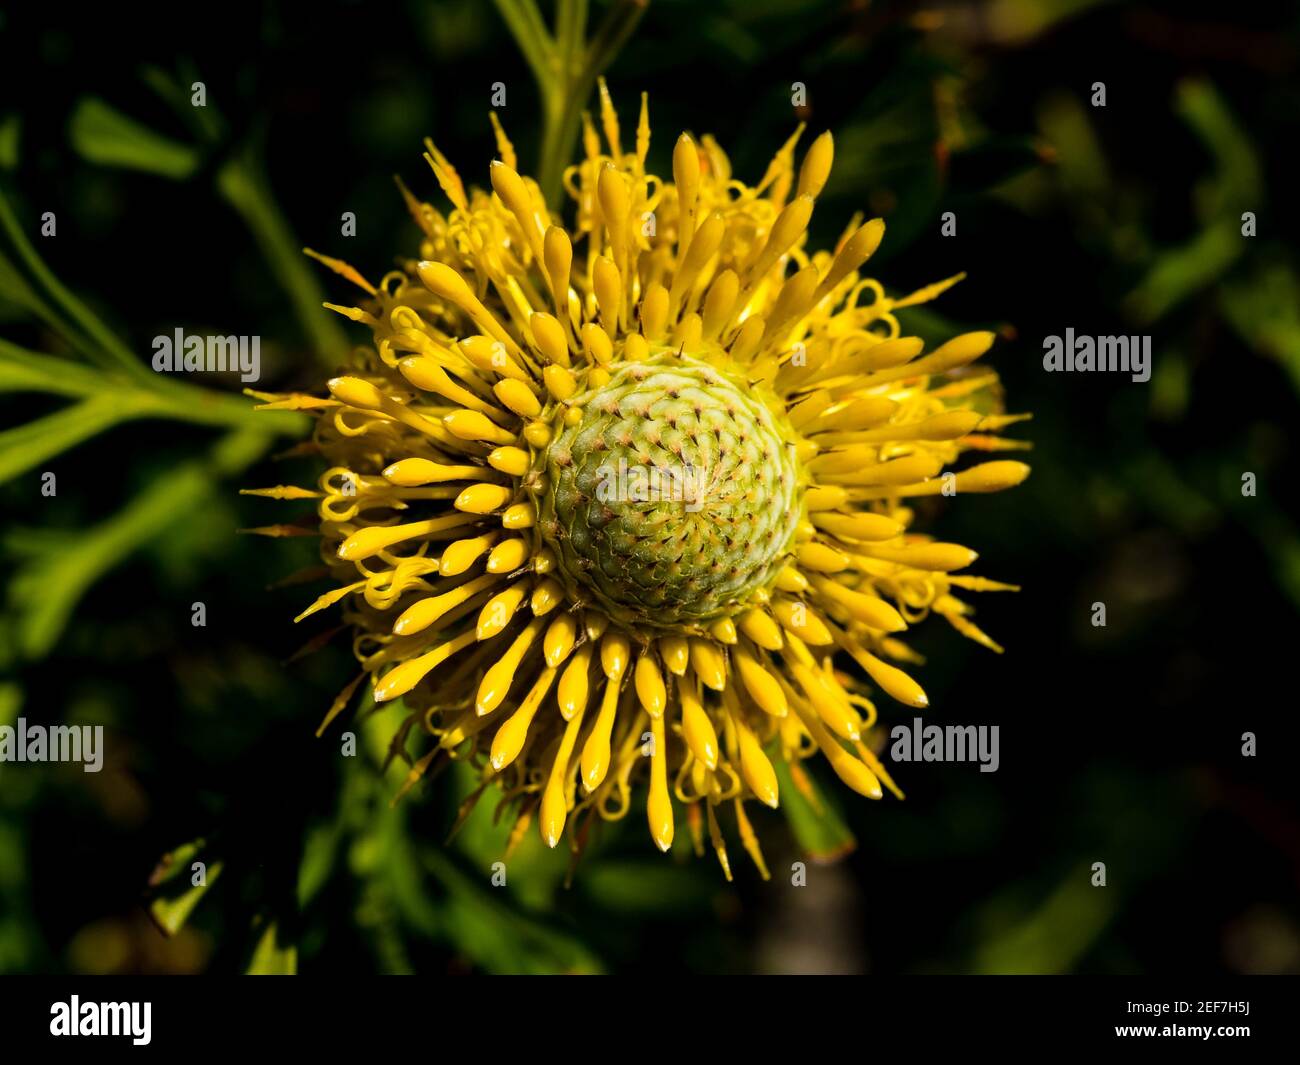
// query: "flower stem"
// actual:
[[148, 395], [566, 67], [524, 21]]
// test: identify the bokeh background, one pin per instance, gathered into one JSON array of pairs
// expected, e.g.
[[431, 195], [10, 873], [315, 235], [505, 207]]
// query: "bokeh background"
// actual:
[[1120, 744]]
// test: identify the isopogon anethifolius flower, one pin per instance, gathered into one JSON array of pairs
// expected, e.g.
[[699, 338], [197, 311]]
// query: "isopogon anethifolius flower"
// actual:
[[629, 503]]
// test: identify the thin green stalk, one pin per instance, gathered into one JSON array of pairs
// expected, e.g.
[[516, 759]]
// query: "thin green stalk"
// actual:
[[152, 396], [26, 447], [243, 186], [566, 70], [22, 370], [21, 293], [570, 33], [612, 34], [186, 402], [95, 329], [524, 21], [45, 591]]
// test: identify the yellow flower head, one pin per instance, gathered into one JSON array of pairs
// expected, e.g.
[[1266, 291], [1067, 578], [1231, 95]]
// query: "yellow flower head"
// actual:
[[605, 505]]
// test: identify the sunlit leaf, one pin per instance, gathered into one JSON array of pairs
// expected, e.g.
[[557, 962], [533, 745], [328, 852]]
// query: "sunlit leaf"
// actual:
[[1052, 938], [271, 957], [104, 135], [174, 892], [818, 829]]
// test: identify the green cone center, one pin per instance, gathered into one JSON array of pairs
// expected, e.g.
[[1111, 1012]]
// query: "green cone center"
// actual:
[[674, 497]]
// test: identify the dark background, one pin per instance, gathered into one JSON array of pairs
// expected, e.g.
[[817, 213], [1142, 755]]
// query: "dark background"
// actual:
[[1120, 744]]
